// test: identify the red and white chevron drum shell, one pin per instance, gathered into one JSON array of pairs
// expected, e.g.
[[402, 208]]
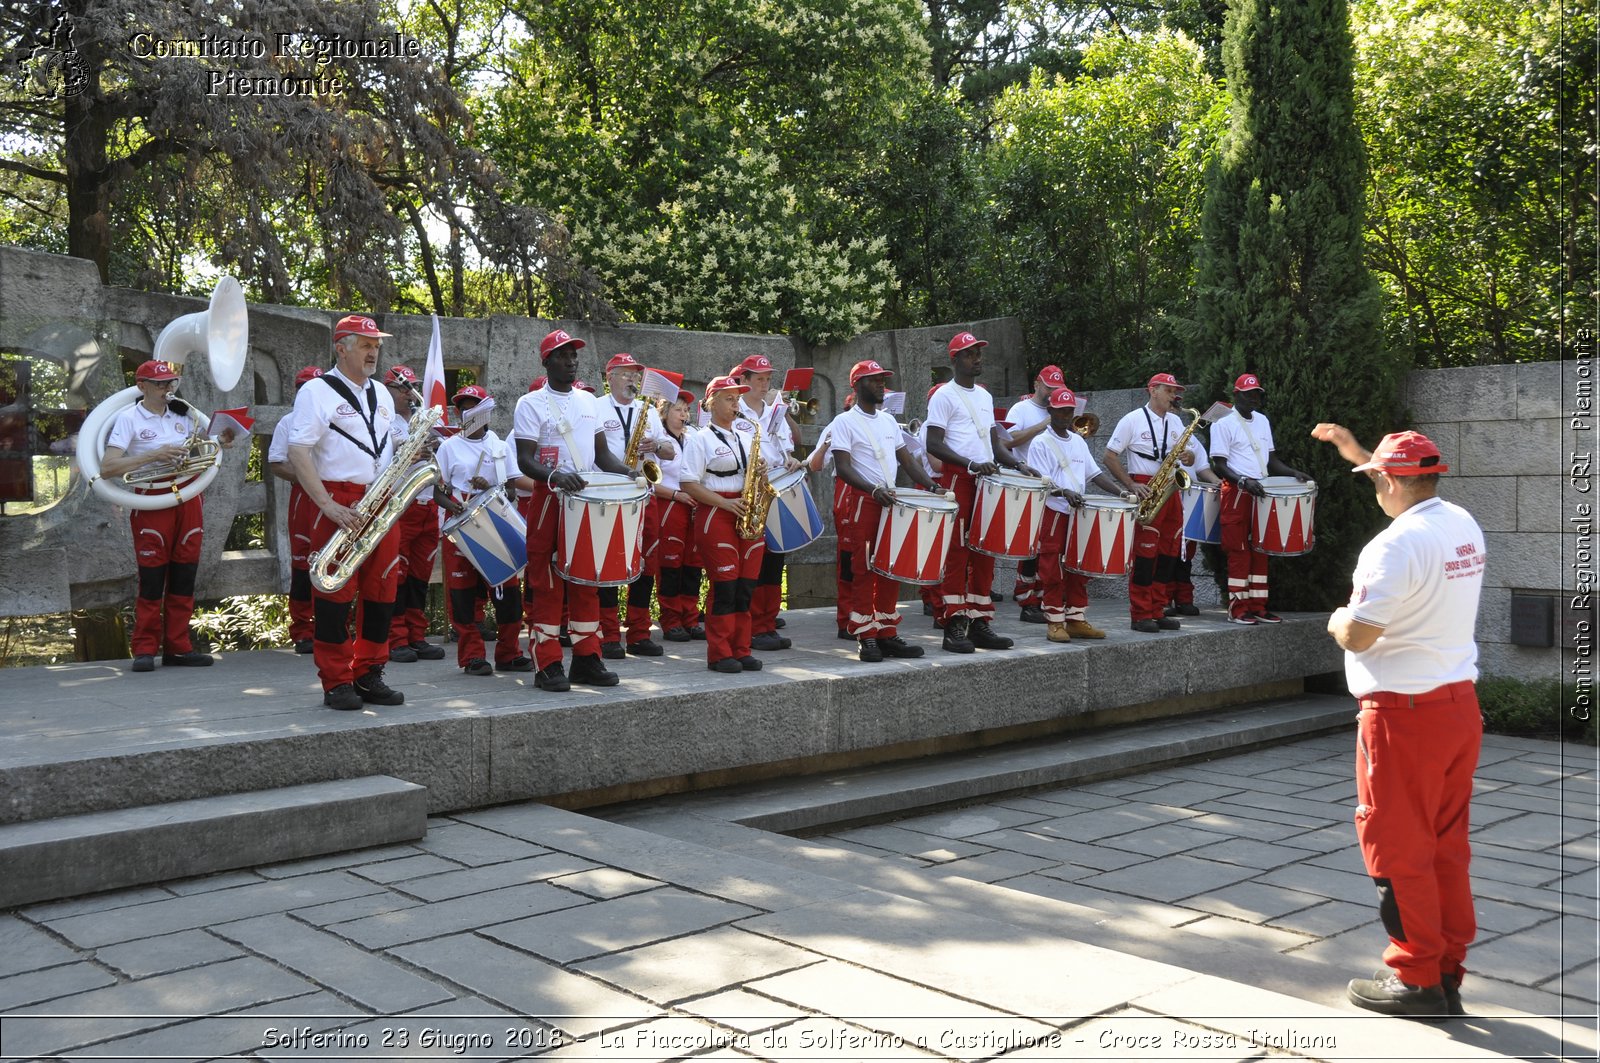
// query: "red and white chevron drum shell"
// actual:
[[1007, 512], [602, 531], [1100, 539], [1283, 524], [914, 537]]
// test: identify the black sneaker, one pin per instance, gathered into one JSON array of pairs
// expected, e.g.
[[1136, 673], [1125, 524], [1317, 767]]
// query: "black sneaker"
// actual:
[[1032, 614], [305, 646], [145, 662], [516, 664], [727, 666], [478, 666], [1451, 984], [587, 669], [1183, 609], [375, 691], [869, 651], [342, 697], [996, 596], [188, 659], [697, 633], [895, 646], [750, 664], [780, 622], [646, 648], [1149, 627], [553, 678], [427, 651], [403, 655], [844, 633], [1167, 623], [611, 651], [955, 636], [981, 635], [1268, 618], [1390, 996], [770, 640], [677, 634]]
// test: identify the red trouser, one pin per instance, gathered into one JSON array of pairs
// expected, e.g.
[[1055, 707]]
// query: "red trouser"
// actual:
[[341, 659], [301, 515], [166, 545], [1182, 586], [1029, 590], [638, 596], [672, 554], [467, 588], [419, 545], [968, 575], [844, 561], [733, 564], [874, 599], [544, 603], [1063, 595], [1247, 568], [1414, 766], [1155, 552]]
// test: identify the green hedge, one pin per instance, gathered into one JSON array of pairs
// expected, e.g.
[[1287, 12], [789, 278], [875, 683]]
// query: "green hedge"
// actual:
[[1538, 708]]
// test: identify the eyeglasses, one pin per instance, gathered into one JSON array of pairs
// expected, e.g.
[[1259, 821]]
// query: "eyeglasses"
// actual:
[[162, 384]]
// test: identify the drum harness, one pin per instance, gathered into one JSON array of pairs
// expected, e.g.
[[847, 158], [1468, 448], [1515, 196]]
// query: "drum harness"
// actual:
[[1255, 445], [983, 441]]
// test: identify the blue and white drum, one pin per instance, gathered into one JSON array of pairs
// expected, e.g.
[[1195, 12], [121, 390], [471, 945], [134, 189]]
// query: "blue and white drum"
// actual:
[[492, 535], [793, 520], [1202, 513]]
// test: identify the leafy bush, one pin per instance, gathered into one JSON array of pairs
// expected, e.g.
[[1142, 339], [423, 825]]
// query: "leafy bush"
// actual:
[[1538, 708], [244, 622]]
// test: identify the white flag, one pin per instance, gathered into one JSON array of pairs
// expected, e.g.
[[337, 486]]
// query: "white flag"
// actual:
[[433, 389]]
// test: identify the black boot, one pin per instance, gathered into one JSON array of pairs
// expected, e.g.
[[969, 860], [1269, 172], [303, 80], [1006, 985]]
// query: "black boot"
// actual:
[[588, 670], [870, 652], [955, 636], [1390, 996], [982, 636]]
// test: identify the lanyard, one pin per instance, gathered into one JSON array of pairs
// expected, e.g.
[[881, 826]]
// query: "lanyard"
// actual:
[[369, 419], [626, 419], [1161, 453], [737, 442]]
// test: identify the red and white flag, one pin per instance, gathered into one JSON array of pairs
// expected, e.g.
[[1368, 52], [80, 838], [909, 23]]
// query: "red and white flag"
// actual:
[[662, 384], [434, 393]]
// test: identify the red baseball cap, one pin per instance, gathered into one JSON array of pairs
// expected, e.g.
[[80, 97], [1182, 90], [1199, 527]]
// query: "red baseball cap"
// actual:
[[583, 385], [155, 369], [558, 338], [849, 399], [398, 376], [1062, 397], [935, 387], [687, 396], [623, 360], [1164, 378], [756, 363], [1248, 382], [1052, 375], [310, 372], [866, 369], [357, 325], [1402, 454], [963, 340], [725, 383], [536, 383], [471, 391]]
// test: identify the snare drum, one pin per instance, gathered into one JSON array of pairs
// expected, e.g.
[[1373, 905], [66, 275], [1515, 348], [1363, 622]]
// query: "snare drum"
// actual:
[[1006, 515], [914, 537], [1100, 540], [793, 520], [1283, 523], [602, 531], [492, 535], [1202, 513]]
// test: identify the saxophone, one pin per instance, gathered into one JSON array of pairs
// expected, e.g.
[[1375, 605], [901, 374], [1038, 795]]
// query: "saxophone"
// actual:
[[1169, 477], [384, 502], [757, 494], [630, 454]]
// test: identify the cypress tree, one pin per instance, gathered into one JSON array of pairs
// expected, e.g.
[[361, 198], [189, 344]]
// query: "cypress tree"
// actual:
[[1283, 289]]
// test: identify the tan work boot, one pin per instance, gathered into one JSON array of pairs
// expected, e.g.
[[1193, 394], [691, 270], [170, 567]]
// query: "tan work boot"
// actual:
[[1057, 632], [1082, 629]]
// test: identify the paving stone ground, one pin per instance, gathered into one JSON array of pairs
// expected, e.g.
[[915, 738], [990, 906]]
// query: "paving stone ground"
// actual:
[[524, 931]]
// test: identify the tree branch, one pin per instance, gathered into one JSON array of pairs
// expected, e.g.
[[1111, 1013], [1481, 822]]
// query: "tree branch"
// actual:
[[16, 166]]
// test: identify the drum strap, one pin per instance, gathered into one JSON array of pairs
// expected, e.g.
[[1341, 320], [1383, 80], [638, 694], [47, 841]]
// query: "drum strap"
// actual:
[[966, 400], [885, 466], [1063, 459], [563, 426], [1255, 444]]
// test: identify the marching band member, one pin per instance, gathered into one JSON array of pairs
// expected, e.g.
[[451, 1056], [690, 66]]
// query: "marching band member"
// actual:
[[676, 561], [962, 434], [166, 542], [1145, 436], [1062, 457], [620, 413], [419, 542], [1028, 419], [777, 445], [470, 462], [1181, 590], [1241, 453], [867, 452], [341, 441], [844, 560], [715, 467], [301, 513], [559, 437], [932, 598]]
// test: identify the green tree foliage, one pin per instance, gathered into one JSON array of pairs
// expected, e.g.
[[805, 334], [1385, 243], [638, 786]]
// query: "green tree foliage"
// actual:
[[1283, 288], [1480, 126]]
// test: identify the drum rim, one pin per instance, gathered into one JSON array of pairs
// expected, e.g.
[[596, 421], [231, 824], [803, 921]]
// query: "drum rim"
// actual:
[[1007, 478], [918, 499], [1287, 487], [469, 508], [786, 479]]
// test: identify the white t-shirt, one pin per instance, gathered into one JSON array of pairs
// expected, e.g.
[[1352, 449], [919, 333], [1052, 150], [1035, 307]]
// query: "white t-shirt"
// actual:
[[137, 431], [716, 458], [619, 421], [1133, 439], [460, 459], [318, 410], [871, 441], [1245, 444], [967, 417], [278, 448], [774, 425], [1025, 414], [1065, 462], [542, 414], [1419, 579]]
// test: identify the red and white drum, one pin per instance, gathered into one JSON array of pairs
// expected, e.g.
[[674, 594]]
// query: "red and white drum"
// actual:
[[914, 537], [1283, 524], [1100, 540], [1006, 516], [602, 531]]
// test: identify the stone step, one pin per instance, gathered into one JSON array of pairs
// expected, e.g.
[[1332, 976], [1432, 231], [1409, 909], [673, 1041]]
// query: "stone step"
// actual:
[[49, 859]]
